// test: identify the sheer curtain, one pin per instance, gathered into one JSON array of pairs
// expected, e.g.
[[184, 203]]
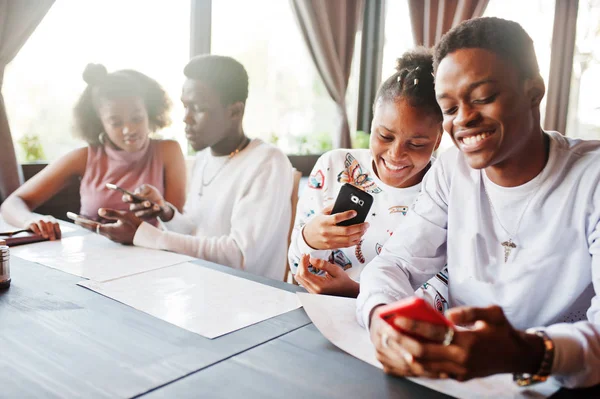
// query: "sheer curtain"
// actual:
[[18, 19], [432, 18], [329, 30]]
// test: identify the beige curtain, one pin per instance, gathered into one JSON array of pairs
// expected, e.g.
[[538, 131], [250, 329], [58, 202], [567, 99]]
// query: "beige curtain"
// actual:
[[430, 19], [329, 29], [18, 19], [561, 65]]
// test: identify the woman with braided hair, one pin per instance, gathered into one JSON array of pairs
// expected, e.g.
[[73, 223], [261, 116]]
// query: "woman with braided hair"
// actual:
[[406, 130]]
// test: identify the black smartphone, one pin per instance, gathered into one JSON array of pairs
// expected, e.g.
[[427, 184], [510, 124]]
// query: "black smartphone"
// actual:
[[352, 198]]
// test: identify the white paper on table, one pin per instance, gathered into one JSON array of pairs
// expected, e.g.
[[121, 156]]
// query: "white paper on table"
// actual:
[[96, 257], [335, 317], [199, 299]]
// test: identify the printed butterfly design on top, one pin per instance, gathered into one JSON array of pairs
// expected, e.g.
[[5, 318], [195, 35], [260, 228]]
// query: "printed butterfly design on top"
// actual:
[[355, 175], [309, 213], [316, 180]]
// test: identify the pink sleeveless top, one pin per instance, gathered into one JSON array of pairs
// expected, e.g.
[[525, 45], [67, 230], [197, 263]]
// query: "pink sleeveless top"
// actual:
[[125, 169]]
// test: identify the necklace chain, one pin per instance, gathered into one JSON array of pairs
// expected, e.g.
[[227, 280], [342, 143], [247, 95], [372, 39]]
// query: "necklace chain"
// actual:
[[233, 153], [510, 244]]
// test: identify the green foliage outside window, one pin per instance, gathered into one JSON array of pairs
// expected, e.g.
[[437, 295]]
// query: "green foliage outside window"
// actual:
[[360, 139], [318, 143], [32, 148]]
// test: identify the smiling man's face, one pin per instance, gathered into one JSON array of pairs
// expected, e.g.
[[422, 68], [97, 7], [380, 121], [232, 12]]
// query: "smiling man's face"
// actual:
[[488, 108]]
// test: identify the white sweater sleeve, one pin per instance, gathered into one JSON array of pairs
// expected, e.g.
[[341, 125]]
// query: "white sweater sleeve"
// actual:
[[179, 223], [413, 254], [254, 222], [310, 204], [577, 346]]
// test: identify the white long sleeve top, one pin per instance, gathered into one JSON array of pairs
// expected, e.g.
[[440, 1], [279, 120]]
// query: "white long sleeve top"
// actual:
[[390, 207], [552, 277], [239, 217]]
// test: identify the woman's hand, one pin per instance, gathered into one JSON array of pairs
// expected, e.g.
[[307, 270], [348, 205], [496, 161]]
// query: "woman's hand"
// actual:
[[335, 281], [45, 226], [322, 232], [490, 346], [154, 205]]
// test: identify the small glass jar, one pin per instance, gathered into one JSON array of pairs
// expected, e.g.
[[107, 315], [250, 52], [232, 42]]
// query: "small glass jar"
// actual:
[[4, 265]]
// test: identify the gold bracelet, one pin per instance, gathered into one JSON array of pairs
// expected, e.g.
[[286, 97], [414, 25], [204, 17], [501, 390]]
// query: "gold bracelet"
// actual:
[[543, 373]]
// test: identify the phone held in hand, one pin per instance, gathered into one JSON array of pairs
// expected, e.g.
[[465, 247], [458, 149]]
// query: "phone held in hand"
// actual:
[[134, 197], [75, 217], [413, 308], [352, 198]]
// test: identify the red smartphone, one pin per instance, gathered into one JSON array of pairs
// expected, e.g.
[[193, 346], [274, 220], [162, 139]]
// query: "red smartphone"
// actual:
[[414, 308]]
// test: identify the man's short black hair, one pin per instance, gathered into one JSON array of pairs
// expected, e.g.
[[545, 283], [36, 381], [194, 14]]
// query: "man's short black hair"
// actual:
[[224, 74], [505, 38]]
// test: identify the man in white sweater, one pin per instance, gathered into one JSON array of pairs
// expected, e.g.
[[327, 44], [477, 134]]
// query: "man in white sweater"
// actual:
[[515, 214], [238, 209]]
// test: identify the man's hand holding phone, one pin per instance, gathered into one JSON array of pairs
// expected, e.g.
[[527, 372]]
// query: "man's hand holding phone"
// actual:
[[146, 202], [419, 346], [122, 230], [403, 331], [323, 232]]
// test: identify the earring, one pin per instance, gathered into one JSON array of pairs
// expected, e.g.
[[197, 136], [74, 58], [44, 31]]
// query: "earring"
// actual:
[[101, 137]]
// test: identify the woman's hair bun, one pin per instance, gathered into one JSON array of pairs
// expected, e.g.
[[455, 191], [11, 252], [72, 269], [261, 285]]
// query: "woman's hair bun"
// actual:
[[420, 58], [94, 73]]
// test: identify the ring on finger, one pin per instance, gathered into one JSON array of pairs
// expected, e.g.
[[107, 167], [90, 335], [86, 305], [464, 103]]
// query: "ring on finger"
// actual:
[[448, 337], [384, 340], [98, 228]]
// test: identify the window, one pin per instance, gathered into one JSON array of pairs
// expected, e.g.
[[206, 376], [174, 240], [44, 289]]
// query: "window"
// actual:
[[288, 103], [42, 84], [583, 119], [398, 37], [537, 18]]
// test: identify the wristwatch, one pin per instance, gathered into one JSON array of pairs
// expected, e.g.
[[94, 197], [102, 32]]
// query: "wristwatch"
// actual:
[[543, 373]]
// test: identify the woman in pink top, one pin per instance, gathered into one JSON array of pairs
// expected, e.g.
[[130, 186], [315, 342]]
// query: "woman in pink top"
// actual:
[[115, 115]]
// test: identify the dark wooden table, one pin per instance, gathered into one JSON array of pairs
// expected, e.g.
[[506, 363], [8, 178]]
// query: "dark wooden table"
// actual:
[[304, 364], [300, 364], [60, 340]]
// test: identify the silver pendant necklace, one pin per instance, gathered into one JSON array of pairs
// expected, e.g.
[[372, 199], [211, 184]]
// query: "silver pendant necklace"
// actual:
[[233, 153], [509, 244]]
